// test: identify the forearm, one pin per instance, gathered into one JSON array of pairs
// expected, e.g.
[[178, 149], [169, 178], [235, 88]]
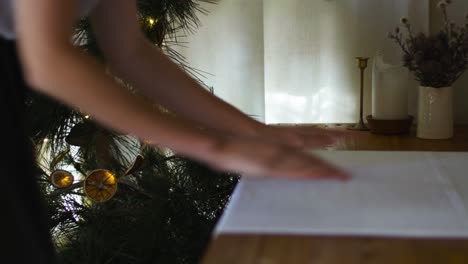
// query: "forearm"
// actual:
[[157, 77], [84, 84]]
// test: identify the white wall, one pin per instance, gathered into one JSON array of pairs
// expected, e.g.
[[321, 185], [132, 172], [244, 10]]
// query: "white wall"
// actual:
[[457, 13]]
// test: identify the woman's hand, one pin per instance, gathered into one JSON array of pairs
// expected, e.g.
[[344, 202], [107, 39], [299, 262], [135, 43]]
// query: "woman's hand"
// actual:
[[254, 157], [301, 137]]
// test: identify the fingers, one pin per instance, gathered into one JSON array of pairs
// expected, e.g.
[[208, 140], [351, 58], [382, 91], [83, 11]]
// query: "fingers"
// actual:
[[305, 137], [254, 158], [308, 167], [307, 141], [259, 158]]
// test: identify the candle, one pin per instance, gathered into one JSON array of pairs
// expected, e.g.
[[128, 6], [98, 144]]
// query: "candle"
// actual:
[[389, 90]]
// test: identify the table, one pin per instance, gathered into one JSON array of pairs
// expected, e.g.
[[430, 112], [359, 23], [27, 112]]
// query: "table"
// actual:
[[272, 249]]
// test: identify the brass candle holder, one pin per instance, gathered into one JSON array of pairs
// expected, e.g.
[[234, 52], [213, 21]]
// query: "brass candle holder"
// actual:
[[362, 64]]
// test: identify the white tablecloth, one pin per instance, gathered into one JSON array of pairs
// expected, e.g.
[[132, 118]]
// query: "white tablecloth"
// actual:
[[417, 194]]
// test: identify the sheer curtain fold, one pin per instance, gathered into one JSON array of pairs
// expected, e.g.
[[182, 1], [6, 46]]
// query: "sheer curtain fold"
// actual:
[[229, 46], [292, 61]]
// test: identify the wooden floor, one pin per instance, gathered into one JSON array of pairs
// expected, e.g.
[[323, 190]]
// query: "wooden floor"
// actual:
[[270, 249]]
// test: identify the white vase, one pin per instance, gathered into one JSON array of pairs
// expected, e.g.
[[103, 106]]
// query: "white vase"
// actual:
[[435, 113]]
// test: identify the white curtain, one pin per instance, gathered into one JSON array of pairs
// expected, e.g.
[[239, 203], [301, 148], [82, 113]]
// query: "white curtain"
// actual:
[[229, 46], [292, 61]]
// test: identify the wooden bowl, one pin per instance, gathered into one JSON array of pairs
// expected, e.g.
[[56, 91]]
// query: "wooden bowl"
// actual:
[[389, 127]]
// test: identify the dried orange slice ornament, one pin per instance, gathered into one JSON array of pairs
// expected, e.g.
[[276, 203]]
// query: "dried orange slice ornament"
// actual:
[[61, 179], [100, 185]]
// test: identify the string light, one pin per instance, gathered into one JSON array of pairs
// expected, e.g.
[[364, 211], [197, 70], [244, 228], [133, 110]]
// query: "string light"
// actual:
[[46, 140], [151, 21], [86, 116]]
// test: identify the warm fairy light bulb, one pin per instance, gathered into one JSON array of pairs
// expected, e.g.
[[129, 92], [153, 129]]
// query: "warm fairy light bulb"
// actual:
[[46, 140], [151, 21], [86, 116]]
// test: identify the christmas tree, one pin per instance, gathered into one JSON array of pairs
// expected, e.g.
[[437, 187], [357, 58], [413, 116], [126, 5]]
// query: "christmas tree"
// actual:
[[112, 198]]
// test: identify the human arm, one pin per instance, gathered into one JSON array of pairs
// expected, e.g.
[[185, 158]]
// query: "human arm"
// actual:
[[142, 64], [53, 66]]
